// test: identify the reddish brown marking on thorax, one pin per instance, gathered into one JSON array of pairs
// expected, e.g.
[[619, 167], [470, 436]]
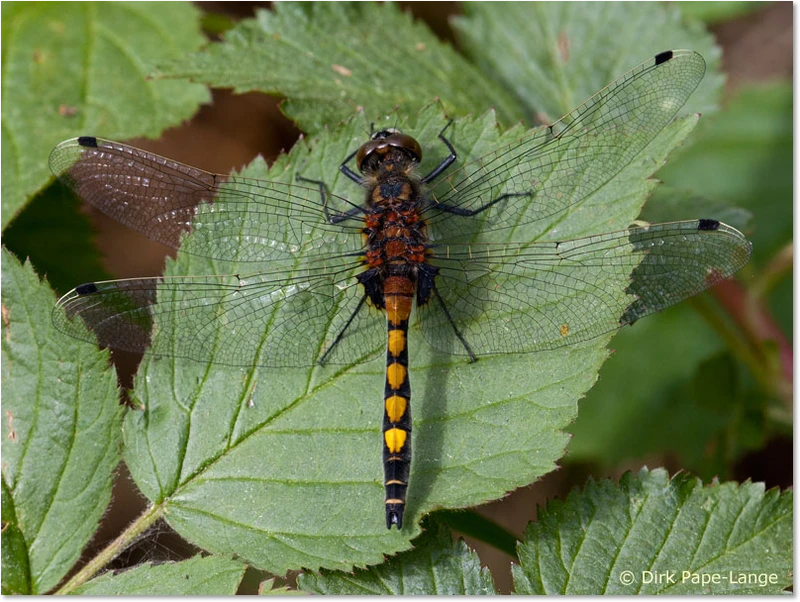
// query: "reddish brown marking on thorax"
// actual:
[[395, 248], [395, 242], [395, 234]]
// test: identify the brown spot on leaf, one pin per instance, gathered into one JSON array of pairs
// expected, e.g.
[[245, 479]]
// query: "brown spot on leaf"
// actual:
[[12, 434], [341, 70], [6, 320], [563, 47]]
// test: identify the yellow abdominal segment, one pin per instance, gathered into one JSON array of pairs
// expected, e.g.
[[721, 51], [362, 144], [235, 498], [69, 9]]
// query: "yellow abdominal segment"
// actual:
[[395, 439], [395, 375], [397, 342], [395, 407]]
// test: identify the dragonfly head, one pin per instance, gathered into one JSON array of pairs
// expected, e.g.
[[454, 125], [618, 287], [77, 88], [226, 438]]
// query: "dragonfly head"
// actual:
[[388, 145]]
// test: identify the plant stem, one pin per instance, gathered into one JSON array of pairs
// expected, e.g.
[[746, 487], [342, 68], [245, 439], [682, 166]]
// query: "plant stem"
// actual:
[[733, 339], [757, 340], [114, 549]]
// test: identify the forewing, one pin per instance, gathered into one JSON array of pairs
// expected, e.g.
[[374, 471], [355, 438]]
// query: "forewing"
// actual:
[[270, 318], [521, 298], [231, 218], [549, 169]]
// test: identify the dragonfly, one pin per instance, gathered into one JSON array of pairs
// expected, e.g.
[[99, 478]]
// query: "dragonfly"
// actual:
[[335, 280]]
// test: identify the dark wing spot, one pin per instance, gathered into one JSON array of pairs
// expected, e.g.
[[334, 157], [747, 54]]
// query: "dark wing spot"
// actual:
[[90, 141], [86, 289], [708, 224], [663, 57]]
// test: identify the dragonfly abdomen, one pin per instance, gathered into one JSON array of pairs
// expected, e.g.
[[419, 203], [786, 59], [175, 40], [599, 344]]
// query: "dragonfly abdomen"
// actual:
[[398, 295]]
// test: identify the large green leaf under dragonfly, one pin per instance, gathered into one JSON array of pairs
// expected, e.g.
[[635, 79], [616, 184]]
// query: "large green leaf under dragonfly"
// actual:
[[280, 466]]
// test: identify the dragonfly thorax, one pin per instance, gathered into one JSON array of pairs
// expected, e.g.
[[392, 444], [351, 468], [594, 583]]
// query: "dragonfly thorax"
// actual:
[[395, 238]]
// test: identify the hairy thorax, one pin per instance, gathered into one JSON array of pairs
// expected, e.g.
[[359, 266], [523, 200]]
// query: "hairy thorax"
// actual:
[[395, 234]]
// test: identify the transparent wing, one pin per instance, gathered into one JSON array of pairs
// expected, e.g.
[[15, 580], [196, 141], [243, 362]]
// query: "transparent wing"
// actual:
[[232, 218], [270, 318], [549, 169], [521, 298]]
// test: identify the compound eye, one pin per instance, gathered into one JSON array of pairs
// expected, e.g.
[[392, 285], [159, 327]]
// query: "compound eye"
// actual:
[[367, 149], [382, 141], [406, 143]]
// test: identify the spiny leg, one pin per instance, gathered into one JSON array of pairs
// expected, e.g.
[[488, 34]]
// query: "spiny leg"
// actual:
[[331, 219], [437, 171], [472, 212], [448, 161], [461, 338], [339, 336], [349, 172]]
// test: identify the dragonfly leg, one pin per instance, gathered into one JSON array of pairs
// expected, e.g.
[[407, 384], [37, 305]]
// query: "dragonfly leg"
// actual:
[[349, 172], [339, 336], [330, 217], [461, 338], [471, 212], [448, 161]]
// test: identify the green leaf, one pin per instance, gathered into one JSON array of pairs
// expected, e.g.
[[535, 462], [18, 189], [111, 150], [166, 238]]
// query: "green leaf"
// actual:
[[722, 401], [437, 566], [716, 12], [281, 466], [668, 204], [744, 156], [215, 24], [61, 432], [553, 55], [268, 588], [198, 576], [655, 535], [624, 418], [83, 67], [16, 569], [331, 60], [57, 238], [475, 525]]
